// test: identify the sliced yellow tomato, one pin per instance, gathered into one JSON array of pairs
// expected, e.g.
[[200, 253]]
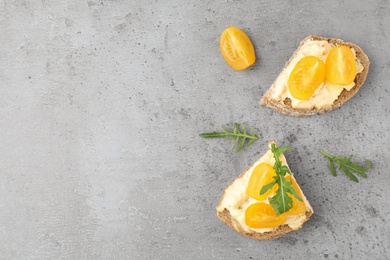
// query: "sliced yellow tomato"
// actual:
[[306, 77], [262, 175], [340, 66], [262, 215], [298, 207], [236, 48]]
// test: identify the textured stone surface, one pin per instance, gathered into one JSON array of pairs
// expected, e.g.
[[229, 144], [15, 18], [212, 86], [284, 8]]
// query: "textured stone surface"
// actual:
[[100, 109]]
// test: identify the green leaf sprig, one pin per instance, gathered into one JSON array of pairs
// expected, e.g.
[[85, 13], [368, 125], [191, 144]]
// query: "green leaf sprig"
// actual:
[[281, 202], [238, 135], [347, 166]]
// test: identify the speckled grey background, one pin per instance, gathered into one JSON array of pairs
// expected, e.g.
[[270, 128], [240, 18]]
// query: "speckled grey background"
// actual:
[[101, 105]]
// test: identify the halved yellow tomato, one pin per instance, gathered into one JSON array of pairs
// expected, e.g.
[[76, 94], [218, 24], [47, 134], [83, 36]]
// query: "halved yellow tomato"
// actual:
[[262, 175], [307, 75], [236, 48], [262, 215], [340, 66], [298, 207]]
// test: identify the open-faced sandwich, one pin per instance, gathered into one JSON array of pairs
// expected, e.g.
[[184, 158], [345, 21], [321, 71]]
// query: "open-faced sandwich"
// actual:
[[321, 75], [265, 201]]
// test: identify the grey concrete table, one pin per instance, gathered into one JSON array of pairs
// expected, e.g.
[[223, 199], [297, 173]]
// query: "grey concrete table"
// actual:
[[101, 105]]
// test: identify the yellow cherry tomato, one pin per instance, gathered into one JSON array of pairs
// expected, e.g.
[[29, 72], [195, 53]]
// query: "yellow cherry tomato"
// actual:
[[262, 215], [261, 175], [237, 48], [298, 207], [307, 75], [340, 66]]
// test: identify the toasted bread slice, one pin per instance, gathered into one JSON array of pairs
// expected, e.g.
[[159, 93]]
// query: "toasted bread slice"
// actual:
[[285, 106], [234, 201]]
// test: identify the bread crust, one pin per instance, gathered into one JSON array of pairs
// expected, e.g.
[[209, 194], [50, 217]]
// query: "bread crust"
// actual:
[[227, 218], [285, 107]]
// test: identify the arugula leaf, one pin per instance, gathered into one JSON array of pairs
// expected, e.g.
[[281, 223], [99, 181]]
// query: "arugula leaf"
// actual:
[[281, 202], [346, 165], [267, 187], [239, 136]]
